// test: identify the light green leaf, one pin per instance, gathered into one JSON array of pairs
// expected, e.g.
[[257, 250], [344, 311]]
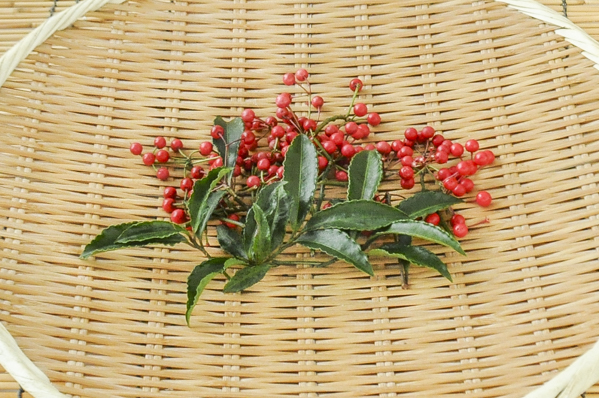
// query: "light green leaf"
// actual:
[[424, 203], [337, 244], [365, 174], [356, 215], [246, 277], [228, 146], [274, 201], [301, 171], [260, 247]]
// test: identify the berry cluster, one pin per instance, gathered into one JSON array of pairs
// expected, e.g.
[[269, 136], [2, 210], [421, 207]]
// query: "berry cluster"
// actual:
[[337, 140]]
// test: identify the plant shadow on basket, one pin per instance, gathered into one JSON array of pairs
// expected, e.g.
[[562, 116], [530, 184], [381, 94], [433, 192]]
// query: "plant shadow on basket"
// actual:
[[520, 305]]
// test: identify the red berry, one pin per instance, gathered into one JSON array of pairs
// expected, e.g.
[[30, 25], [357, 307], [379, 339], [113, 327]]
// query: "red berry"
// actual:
[[351, 127], [407, 183], [277, 132], [178, 216], [457, 219], [322, 162], [356, 84], [168, 205], [136, 148], [309, 125], [471, 145], [483, 198], [383, 147], [331, 129], [170, 192], [427, 132], [362, 132], [337, 138], [369, 147], [290, 136], [360, 109], [186, 184], [450, 183], [283, 100], [326, 205], [438, 140], [396, 145], [263, 164], [233, 217], [206, 148], [217, 132], [411, 134], [301, 75], [467, 183], [280, 171], [289, 79], [466, 168], [162, 156], [159, 142], [374, 119], [217, 162], [284, 114], [348, 150], [162, 174], [406, 172], [407, 160], [341, 175], [248, 115], [405, 151], [456, 150], [433, 219], [329, 146], [460, 230], [317, 102], [459, 190], [148, 159], [197, 172], [176, 145], [253, 181], [490, 156], [441, 157], [443, 174]]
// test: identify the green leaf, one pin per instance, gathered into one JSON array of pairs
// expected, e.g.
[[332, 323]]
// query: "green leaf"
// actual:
[[149, 230], [427, 202], [415, 255], [423, 230], [246, 277], [107, 240], [200, 277], [260, 245], [337, 244], [200, 208], [365, 174], [301, 171], [228, 146], [230, 241], [274, 201], [356, 215]]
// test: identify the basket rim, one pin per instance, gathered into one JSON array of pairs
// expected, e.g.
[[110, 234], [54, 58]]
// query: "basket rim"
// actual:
[[573, 381]]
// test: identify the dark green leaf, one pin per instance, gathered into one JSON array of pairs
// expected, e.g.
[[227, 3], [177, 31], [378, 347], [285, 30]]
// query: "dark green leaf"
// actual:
[[274, 201], [149, 230], [228, 146], [205, 213], [261, 241], [230, 241], [301, 171], [246, 277], [249, 231], [337, 244], [365, 174], [200, 277], [107, 240], [200, 210], [356, 215], [423, 230], [415, 255], [427, 202]]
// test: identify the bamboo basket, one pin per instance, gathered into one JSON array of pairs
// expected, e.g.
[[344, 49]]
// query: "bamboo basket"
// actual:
[[524, 302]]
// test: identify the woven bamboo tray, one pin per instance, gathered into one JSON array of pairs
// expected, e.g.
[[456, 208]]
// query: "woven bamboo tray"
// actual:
[[523, 303]]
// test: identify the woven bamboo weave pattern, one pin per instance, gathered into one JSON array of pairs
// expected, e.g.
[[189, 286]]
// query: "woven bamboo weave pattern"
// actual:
[[523, 303]]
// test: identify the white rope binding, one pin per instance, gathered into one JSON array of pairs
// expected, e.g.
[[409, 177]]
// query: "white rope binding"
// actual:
[[570, 383], [59, 21]]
